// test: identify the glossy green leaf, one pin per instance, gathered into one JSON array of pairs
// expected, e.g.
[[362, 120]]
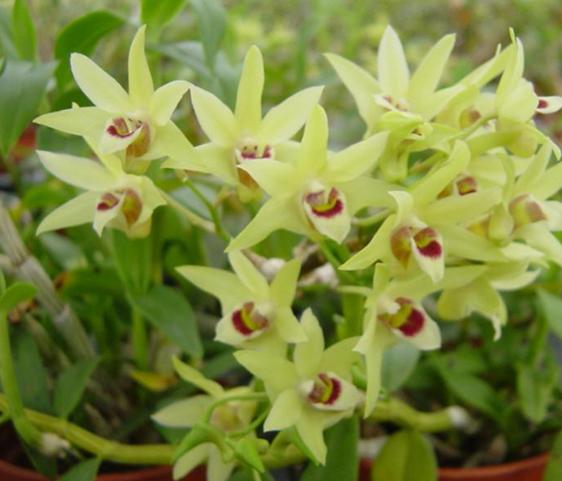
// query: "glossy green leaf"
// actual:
[[161, 12], [167, 310], [85, 471], [406, 456], [70, 386], [398, 364], [82, 35], [554, 466], [23, 30], [342, 461], [211, 16], [22, 86], [14, 295]]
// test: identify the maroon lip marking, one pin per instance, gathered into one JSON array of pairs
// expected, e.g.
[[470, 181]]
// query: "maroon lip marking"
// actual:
[[326, 390], [248, 319], [325, 208], [108, 201], [467, 185], [413, 324], [249, 152], [427, 244], [543, 104]]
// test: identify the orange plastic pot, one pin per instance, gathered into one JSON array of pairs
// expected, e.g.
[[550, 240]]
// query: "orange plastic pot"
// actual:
[[9, 472], [531, 469]]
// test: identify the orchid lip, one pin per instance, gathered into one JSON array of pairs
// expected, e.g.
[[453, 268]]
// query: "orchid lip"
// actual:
[[427, 243], [409, 320], [322, 206], [127, 200], [252, 151], [325, 389], [249, 321]]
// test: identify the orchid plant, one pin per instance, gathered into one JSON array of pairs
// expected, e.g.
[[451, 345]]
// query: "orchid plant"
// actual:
[[445, 201]]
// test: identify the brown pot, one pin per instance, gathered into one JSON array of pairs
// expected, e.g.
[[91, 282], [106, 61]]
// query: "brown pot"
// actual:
[[531, 469], [9, 472]]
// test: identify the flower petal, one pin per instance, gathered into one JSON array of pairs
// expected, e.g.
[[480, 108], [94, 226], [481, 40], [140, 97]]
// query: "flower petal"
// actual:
[[215, 118], [222, 284], [311, 430], [549, 105], [284, 285], [184, 413], [288, 326], [460, 242], [102, 89], [308, 355], [275, 214], [285, 412], [427, 337], [360, 84], [334, 223], [392, 68], [140, 79], [170, 142], [84, 121], [538, 237], [190, 460], [251, 277], [461, 209], [356, 160], [194, 376], [166, 99], [277, 373], [314, 146], [77, 211], [275, 177], [250, 89], [286, 119], [339, 357], [217, 469], [78, 171]]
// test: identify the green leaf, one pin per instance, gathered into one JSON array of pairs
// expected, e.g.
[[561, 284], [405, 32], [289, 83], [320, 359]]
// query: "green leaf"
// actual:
[[133, 260], [31, 374], [22, 86], [342, 461], [211, 16], [70, 386], [406, 456], [14, 295], [161, 12], [551, 307], [85, 471], [554, 466], [535, 389], [167, 310], [82, 35], [9, 50], [23, 30], [398, 364], [2, 284]]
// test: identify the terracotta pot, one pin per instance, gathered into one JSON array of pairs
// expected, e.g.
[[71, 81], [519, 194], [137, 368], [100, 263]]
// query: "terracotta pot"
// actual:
[[531, 469], [9, 472]]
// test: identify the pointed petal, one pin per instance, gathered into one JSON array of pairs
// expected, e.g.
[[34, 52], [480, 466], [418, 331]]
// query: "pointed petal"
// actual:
[[250, 89], [356, 160], [84, 121], [339, 357], [77, 211], [550, 182], [184, 413], [193, 376], [461, 209], [221, 284], [426, 77], [284, 285], [538, 237], [373, 362], [275, 214], [377, 248], [165, 100], [285, 412], [366, 192], [360, 84], [102, 89], [534, 171], [314, 146], [251, 277], [169, 141], [190, 460], [277, 373], [217, 469], [549, 105], [275, 177], [78, 171], [286, 119], [392, 68], [215, 118], [311, 430], [288, 326], [435, 182], [461, 243], [140, 79], [307, 355], [521, 103]]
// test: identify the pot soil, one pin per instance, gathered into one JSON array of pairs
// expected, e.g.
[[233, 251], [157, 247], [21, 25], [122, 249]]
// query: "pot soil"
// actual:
[[531, 469], [15, 473]]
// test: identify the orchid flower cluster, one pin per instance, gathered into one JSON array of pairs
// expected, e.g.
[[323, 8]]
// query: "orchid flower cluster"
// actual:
[[457, 181]]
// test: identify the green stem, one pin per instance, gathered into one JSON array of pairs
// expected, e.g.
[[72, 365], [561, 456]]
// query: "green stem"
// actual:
[[139, 340], [14, 405], [219, 229]]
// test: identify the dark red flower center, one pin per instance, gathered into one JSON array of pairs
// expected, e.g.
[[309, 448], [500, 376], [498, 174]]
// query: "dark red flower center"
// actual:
[[248, 319], [408, 319], [324, 205], [325, 390]]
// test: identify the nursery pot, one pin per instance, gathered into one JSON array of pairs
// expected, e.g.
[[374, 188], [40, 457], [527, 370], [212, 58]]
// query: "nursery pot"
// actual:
[[9, 472], [531, 469]]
